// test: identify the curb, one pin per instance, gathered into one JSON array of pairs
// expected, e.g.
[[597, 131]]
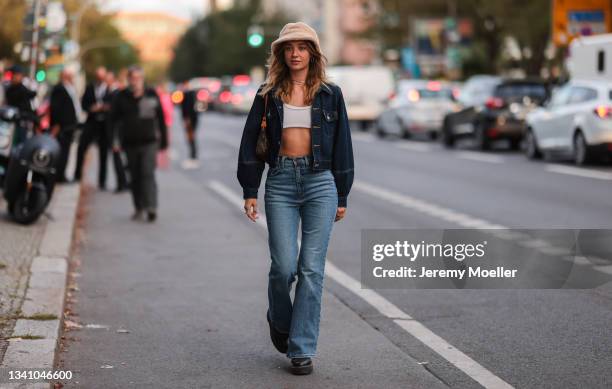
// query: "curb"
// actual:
[[45, 292]]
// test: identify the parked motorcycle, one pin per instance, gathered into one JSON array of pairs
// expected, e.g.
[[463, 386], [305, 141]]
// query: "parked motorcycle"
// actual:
[[28, 164]]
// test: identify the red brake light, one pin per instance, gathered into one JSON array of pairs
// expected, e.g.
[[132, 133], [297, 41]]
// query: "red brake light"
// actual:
[[202, 95], [225, 97], [434, 85], [603, 112], [494, 103], [242, 80]]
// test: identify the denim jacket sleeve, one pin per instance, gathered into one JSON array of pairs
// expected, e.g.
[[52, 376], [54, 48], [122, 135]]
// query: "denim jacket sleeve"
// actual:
[[342, 160], [250, 168]]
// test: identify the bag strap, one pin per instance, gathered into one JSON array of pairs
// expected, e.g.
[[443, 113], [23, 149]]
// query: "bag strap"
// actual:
[[264, 122]]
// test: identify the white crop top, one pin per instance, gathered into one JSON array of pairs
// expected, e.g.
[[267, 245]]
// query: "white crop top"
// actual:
[[294, 116]]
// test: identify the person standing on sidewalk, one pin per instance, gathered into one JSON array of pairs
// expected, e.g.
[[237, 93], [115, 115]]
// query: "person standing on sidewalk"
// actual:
[[95, 103], [139, 121], [65, 115], [114, 87], [310, 158], [190, 120]]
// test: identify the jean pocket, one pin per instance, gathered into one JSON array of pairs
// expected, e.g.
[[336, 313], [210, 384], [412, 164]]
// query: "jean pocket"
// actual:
[[274, 171]]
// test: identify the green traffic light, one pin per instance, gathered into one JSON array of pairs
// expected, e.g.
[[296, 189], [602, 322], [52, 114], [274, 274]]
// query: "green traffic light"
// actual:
[[41, 75], [255, 40]]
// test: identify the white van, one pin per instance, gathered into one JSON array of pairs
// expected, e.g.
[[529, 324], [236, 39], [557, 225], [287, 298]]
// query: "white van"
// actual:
[[366, 90], [590, 58]]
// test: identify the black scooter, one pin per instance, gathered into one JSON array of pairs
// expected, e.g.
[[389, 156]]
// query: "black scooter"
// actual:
[[28, 165]]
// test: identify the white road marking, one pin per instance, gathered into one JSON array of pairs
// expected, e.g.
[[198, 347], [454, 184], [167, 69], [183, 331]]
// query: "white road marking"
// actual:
[[480, 157], [386, 308], [414, 146], [426, 207], [581, 172]]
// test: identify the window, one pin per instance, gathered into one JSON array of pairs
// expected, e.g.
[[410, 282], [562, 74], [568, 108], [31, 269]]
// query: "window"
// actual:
[[560, 96], [580, 94]]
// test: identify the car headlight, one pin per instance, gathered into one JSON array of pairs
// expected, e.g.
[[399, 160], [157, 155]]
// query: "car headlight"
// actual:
[[41, 158]]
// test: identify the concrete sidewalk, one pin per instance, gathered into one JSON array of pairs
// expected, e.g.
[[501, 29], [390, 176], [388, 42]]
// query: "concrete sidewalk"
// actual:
[[181, 304]]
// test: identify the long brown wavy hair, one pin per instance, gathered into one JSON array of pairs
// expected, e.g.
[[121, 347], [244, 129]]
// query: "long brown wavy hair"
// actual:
[[279, 74]]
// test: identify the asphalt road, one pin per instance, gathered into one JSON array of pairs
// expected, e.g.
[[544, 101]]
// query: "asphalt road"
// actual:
[[462, 338]]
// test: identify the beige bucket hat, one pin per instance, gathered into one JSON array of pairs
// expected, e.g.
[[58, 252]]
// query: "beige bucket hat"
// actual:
[[298, 31]]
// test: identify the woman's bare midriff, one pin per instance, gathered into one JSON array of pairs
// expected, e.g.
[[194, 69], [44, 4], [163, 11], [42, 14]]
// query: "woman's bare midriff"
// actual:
[[295, 142]]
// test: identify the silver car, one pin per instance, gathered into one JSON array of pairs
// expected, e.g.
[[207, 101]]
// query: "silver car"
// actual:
[[418, 108], [576, 122]]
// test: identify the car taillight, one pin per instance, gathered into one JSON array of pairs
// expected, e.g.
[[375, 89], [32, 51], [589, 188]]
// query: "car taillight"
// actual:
[[202, 95], [241, 79], [225, 97], [603, 112], [434, 86], [236, 99], [494, 103]]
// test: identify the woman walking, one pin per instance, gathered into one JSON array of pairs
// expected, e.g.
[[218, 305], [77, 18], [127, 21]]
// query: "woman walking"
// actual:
[[310, 158]]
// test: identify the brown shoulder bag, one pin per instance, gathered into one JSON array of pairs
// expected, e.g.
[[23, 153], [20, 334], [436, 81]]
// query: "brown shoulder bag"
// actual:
[[261, 149]]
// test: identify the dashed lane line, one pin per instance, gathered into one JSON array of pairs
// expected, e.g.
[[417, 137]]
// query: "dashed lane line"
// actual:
[[580, 172]]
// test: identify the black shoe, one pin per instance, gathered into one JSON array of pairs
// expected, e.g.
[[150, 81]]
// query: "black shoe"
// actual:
[[137, 215], [151, 216], [301, 366], [279, 340]]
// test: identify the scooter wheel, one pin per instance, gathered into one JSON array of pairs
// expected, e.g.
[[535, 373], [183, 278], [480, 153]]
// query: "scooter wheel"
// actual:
[[28, 211]]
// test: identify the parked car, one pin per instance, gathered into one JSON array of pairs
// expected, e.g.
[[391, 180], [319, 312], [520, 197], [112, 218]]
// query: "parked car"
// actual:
[[366, 90], [502, 116], [242, 98], [577, 122], [224, 98], [206, 89], [417, 108]]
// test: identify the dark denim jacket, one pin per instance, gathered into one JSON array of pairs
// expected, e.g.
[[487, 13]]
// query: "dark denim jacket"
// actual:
[[330, 136]]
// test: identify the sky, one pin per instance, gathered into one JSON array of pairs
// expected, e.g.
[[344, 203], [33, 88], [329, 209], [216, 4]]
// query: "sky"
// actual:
[[188, 9]]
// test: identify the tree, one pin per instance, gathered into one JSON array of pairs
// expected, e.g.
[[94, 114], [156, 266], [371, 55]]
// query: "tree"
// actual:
[[527, 21], [217, 45], [13, 12]]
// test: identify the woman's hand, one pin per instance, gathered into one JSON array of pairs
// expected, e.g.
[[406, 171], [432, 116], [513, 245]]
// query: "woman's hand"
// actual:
[[250, 208], [340, 213]]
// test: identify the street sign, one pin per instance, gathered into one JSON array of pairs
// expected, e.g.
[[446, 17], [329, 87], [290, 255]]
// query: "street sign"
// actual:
[[573, 18]]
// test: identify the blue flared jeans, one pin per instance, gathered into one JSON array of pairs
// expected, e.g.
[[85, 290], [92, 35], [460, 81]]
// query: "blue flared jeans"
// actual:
[[294, 193]]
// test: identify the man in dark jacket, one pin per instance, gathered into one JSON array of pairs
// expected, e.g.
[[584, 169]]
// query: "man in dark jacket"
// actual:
[[65, 113], [114, 87], [139, 121], [96, 104], [190, 120]]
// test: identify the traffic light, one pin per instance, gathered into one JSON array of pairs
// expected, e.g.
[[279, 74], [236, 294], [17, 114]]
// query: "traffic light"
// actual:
[[41, 75], [255, 36]]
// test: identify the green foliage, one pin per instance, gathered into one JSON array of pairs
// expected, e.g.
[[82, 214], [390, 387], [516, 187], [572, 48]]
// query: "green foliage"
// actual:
[[12, 13], [528, 21], [217, 45], [102, 44]]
